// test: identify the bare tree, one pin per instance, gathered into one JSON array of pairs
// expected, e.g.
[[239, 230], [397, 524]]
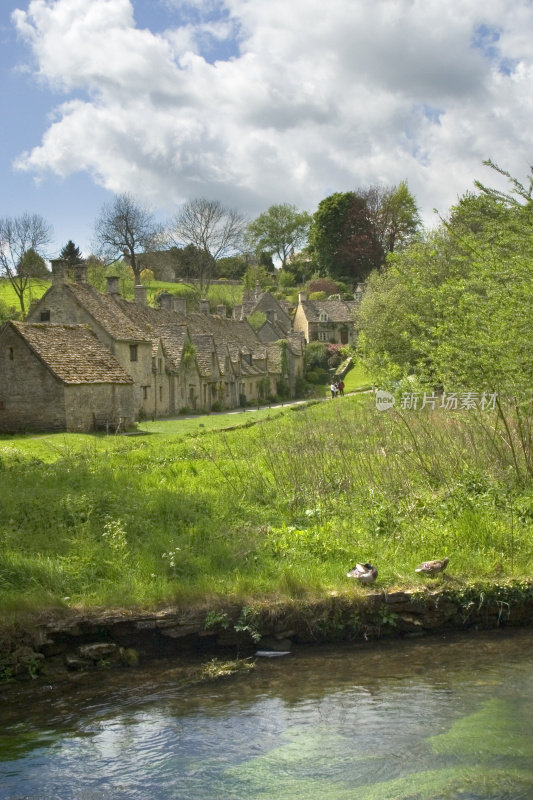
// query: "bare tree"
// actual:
[[126, 227], [212, 229], [18, 235]]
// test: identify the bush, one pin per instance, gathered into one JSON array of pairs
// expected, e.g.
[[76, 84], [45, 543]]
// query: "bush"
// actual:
[[317, 296], [323, 286], [217, 406], [316, 355]]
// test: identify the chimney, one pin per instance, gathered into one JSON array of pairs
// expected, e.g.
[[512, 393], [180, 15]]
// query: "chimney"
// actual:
[[80, 273], [112, 285], [165, 301], [59, 270], [204, 306], [139, 292], [302, 297], [221, 310], [179, 305]]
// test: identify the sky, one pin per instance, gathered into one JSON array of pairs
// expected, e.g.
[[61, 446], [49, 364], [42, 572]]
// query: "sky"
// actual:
[[256, 102]]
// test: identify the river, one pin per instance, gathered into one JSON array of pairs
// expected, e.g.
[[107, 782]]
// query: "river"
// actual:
[[428, 719]]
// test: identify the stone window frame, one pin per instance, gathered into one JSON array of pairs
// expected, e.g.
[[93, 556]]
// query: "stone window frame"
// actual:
[[134, 352]]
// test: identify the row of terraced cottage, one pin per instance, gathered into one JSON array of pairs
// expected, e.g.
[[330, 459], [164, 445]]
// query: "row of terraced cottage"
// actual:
[[85, 360]]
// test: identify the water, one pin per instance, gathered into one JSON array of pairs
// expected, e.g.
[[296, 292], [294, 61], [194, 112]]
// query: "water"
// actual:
[[434, 719]]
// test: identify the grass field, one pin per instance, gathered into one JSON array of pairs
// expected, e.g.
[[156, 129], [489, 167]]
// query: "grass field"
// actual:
[[278, 509]]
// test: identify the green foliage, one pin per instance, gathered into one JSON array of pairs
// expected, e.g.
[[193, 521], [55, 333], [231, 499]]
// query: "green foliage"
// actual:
[[33, 265], [316, 355], [280, 231], [257, 275], [342, 237], [257, 319], [71, 253]]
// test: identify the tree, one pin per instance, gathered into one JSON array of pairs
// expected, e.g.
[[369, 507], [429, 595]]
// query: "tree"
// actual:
[[394, 215], [280, 231], [18, 235], [71, 254], [212, 229], [33, 265], [342, 237], [126, 227]]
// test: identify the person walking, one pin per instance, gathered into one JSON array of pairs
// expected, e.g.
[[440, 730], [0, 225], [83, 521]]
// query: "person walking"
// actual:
[[341, 387], [333, 388]]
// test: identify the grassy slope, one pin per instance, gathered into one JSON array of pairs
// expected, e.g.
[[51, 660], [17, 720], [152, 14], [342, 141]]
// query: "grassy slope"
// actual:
[[280, 509]]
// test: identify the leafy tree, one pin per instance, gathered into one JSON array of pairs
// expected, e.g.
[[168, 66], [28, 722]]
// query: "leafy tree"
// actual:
[[211, 229], [257, 275], [18, 235], [342, 237], [71, 254], [232, 267], [126, 227], [280, 231], [325, 285], [394, 215], [33, 265]]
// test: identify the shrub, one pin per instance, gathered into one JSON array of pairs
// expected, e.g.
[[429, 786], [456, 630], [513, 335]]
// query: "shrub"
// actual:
[[323, 286], [317, 296], [316, 355]]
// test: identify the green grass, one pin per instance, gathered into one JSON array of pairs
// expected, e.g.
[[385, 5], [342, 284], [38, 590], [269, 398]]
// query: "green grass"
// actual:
[[8, 298], [280, 509], [356, 378]]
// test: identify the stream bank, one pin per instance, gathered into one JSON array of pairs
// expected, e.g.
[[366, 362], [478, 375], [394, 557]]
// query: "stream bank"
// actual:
[[56, 644]]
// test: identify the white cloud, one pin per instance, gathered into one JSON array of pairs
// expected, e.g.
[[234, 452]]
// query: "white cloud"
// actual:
[[315, 98]]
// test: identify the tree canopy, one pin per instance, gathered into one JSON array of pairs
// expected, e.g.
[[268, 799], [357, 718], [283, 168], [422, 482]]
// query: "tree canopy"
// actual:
[[18, 236], [71, 254], [280, 231], [126, 227], [342, 238]]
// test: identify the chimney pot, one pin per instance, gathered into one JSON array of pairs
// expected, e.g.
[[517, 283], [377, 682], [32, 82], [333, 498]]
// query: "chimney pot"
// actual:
[[165, 301], [59, 270], [179, 305], [112, 285], [80, 273], [139, 292]]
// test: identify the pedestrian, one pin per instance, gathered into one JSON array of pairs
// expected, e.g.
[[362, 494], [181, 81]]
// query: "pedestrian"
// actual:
[[341, 387], [333, 388]]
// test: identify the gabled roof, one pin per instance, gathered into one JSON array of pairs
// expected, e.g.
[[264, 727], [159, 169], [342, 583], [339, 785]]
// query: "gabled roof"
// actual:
[[159, 324], [205, 347], [107, 312], [337, 310], [72, 353]]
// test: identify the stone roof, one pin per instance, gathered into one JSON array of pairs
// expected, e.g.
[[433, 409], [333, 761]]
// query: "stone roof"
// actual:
[[204, 345], [72, 352], [158, 323], [337, 310], [106, 311]]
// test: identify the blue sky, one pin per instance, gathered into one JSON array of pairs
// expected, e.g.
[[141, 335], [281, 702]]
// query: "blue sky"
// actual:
[[255, 102]]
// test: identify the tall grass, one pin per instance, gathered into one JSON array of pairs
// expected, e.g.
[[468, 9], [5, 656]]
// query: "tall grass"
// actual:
[[279, 509]]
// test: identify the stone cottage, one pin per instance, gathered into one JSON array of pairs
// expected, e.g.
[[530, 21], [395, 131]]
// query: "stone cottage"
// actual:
[[330, 320], [176, 360], [60, 377]]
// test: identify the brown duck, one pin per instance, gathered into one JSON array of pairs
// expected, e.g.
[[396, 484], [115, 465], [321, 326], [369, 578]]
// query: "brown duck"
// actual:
[[433, 567]]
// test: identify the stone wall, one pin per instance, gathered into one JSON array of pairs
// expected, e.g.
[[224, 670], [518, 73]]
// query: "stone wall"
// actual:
[[75, 641], [105, 401], [31, 397]]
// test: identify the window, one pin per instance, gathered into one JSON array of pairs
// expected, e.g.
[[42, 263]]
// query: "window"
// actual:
[[160, 394], [323, 316], [11, 354], [45, 316], [133, 352], [322, 336], [160, 364], [2, 405], [145, 392]]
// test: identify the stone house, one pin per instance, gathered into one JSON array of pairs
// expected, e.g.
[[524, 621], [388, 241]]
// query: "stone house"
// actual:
[[60, 377], [329, 320], [278, 322], [176, 360]]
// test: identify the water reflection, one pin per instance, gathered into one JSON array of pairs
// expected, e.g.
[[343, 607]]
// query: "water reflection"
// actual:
[[432, 719]]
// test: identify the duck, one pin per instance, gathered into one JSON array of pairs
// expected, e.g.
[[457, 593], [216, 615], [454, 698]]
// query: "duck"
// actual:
[[433, 567], [365, 573]]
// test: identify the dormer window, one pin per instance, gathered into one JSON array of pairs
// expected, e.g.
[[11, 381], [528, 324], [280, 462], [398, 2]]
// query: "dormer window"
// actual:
[[323, 316]]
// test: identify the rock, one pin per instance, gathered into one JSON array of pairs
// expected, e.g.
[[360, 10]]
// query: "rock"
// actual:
[[97, 651], [274, 644]]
